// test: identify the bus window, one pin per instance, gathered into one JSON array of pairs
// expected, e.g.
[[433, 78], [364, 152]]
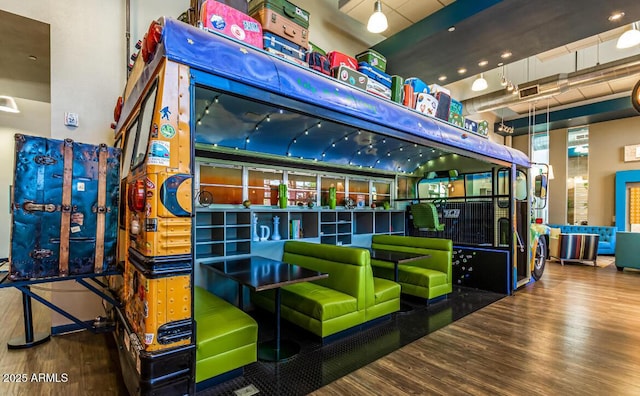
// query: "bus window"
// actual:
[[433, 188], [129, 142], [521, 186], [503, 182], [520, 189], [145, 126], [478, 184]]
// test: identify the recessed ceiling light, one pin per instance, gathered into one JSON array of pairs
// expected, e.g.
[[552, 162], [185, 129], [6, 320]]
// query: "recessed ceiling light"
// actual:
[[33, 57], [501, 64], [616, 16], [442, 78], [453, 28], [506, 55], [462, 70], [483, 63]]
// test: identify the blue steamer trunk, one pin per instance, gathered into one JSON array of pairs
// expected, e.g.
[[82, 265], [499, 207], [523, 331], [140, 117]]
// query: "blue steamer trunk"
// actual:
[[64, 212]]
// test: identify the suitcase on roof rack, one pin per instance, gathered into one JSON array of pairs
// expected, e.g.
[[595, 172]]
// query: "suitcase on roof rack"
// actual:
[[192, 15], [64, 208], [338, 59], [319, 62], [373, 58], [284, 46], [283, 8], [221, 18], [375, 74], [282, 19], [378, 88]]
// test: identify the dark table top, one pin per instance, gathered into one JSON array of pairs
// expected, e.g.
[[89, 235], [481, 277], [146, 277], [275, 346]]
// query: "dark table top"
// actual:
[[261, 273], [396, 257]]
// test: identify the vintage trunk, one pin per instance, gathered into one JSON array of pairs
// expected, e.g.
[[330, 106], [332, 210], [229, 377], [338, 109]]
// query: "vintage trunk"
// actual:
[[64, 208]]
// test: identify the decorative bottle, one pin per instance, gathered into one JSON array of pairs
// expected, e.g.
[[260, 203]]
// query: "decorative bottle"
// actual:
[[332, 198], [282, 196], [255, 236]]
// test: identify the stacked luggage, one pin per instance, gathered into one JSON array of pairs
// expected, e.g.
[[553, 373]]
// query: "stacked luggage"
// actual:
[[285, 27], [374, 65], [282, 29]]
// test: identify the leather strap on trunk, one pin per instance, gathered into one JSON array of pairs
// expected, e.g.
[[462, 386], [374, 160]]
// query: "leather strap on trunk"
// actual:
[[65, 218], [102, 209]]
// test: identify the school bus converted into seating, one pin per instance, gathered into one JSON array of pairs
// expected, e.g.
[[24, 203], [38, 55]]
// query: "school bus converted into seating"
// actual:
[[207, 123]]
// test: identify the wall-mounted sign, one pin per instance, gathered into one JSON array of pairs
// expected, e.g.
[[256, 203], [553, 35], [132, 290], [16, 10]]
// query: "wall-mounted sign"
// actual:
[[632, 153]]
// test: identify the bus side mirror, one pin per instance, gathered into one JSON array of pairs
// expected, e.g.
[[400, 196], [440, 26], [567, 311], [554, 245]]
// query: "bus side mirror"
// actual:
[[540, 189]]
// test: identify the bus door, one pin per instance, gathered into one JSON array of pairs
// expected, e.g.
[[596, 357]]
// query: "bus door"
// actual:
[[513, 223]]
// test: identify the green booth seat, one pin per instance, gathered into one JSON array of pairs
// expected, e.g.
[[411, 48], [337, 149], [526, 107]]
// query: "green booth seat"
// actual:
[[350, 296], [226, 337], [427, 278]]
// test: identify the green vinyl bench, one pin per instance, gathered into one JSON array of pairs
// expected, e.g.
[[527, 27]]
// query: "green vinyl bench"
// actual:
[[226, 337], [349, 297]]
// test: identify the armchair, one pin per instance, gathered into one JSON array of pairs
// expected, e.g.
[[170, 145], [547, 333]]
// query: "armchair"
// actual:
[[425, 217]]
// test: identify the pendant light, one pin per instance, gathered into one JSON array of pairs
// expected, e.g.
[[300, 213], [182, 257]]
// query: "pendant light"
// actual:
[[377, 21], [8, 104], [480, 84], [629, 38]]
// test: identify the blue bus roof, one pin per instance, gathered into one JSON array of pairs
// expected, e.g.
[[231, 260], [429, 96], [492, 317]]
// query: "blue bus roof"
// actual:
[[237, 62]]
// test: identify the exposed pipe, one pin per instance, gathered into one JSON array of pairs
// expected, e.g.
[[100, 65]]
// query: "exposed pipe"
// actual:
[[557, 84], [127, 35]]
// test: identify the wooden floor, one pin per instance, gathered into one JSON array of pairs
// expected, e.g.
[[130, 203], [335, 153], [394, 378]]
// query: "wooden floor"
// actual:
[[575, 332], [84, 358]]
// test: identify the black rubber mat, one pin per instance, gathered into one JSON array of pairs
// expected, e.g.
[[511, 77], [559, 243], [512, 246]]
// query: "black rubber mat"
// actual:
[[317, 365]]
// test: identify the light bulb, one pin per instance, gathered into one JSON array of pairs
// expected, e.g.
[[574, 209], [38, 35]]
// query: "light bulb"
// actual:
[[480, 84], [377, 21], [629, 38]]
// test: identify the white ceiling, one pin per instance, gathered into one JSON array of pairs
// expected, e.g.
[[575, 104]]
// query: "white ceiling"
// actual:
[[588, 52], [400, 13], [21, 37], [20, 76]]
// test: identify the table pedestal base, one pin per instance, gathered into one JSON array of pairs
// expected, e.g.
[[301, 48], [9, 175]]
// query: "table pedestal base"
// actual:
[[405, 308], [267, 351]]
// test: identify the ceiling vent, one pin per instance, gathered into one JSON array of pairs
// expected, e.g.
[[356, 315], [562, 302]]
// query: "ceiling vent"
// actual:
[[529, 91]]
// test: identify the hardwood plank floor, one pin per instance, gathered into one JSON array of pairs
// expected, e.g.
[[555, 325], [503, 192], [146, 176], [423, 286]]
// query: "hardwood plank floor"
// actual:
[[90, 365], [574, 332]]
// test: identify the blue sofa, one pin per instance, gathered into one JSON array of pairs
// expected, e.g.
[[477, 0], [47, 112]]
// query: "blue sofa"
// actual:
[[606, 242]]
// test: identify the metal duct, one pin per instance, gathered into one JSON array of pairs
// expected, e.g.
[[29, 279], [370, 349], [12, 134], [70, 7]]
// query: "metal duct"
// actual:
[[554, 85]]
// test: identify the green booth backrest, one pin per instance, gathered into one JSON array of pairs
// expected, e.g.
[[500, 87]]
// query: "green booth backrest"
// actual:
[[441, 250], [346, 266]]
